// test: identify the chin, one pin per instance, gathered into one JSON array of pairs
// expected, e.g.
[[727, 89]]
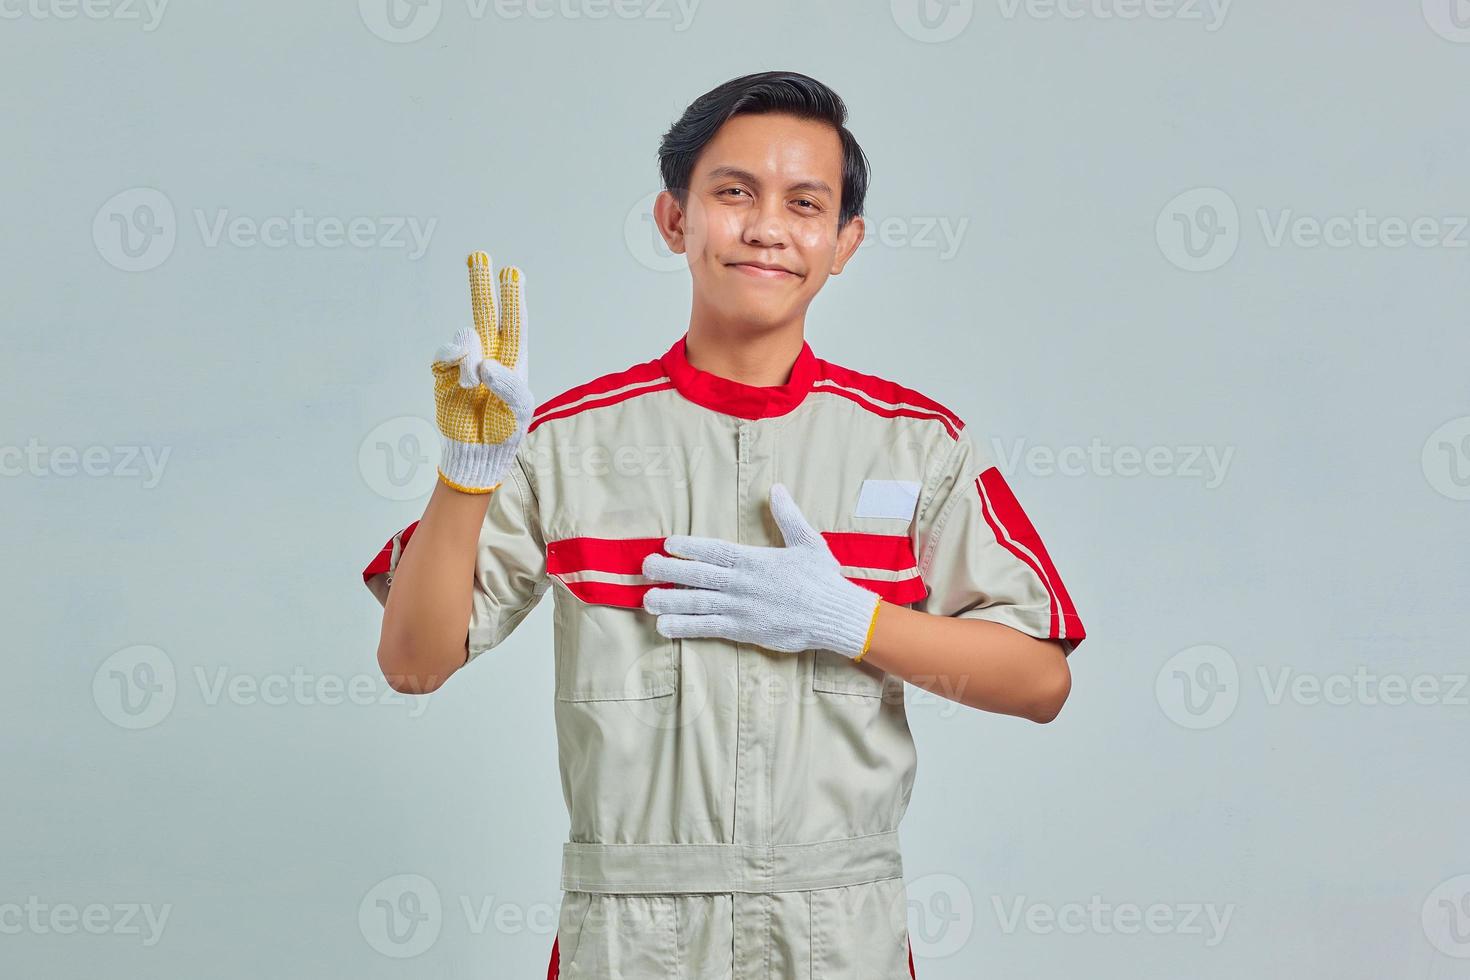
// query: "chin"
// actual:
[[760, 313]]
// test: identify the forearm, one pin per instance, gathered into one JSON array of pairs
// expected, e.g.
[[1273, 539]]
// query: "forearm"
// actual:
[[978, 663], [427, 615]]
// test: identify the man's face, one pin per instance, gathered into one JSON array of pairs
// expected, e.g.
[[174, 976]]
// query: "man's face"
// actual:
[[765, 191]]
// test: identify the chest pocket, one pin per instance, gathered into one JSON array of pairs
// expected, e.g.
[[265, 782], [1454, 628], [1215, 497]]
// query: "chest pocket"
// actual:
[[883, 563], [834, 673], [607, 647]]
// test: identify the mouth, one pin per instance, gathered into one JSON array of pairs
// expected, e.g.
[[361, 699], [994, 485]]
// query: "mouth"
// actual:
[[760, 270]]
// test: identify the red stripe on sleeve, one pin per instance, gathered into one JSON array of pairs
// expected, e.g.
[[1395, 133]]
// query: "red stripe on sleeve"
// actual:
[[383, 560], [1014, 530]]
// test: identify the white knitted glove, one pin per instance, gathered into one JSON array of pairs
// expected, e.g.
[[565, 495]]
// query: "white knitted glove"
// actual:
[[789, 599]]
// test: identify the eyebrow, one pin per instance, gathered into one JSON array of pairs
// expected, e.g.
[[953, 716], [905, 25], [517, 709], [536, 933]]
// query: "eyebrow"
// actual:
[[818, 186]]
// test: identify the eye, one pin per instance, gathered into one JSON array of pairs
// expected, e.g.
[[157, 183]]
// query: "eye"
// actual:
[[807, 200], [727, 190]]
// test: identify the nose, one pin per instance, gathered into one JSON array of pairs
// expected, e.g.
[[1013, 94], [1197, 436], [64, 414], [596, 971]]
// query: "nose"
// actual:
[[765, 224]]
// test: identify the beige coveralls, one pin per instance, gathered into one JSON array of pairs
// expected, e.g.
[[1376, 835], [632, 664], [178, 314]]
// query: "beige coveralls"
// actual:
[[734, 810]]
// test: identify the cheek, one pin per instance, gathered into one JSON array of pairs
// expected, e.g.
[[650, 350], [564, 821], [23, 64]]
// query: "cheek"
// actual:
[[815, 239], [723, 232], [696, 229], [694, 243], [709, 240]]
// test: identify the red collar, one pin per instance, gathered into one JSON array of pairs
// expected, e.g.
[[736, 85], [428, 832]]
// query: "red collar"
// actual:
[[733, 397]]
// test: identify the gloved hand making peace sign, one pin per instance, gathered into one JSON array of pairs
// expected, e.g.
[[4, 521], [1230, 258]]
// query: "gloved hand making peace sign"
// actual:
[[482, 399]]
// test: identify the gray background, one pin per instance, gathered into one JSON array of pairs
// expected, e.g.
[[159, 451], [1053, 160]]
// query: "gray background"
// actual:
[[161, 752]]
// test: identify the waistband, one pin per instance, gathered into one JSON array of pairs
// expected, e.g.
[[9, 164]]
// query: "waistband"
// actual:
[[690, 868]]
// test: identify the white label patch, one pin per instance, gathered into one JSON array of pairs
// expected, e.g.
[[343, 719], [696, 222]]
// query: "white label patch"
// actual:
[[888, 498]]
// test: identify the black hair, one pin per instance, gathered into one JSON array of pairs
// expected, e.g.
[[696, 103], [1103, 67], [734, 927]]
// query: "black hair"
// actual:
[[763, 92]]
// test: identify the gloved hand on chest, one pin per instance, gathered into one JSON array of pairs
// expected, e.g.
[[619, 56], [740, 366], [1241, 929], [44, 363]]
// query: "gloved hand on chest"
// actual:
[[788, 598]]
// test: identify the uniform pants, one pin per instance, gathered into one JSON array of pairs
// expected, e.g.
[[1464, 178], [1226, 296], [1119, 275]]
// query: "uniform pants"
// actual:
[[553, 970]]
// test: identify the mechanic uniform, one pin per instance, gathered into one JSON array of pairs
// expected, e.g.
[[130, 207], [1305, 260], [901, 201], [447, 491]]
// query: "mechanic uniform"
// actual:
[[734, 810]]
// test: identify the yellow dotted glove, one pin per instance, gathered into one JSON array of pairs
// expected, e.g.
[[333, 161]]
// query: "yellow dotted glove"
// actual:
[[482, 399]]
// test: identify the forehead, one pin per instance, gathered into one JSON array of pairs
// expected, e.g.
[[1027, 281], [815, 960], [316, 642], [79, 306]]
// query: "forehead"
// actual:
[[777, 147]]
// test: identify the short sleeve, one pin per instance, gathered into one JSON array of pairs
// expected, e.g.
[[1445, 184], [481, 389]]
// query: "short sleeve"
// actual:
[[510, 563], [980, 556]]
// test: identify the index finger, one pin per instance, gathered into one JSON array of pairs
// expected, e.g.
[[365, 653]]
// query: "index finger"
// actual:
[[482, 301], [683, 571]]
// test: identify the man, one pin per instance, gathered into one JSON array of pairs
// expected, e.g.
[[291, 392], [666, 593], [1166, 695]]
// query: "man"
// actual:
[[733, 625]]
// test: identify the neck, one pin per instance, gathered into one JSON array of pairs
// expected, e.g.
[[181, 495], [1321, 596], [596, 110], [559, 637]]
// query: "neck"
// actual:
[[753, 357]]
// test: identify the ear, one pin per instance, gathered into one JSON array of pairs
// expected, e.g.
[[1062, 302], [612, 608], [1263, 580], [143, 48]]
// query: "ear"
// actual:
[[848, 240], [670, 219]]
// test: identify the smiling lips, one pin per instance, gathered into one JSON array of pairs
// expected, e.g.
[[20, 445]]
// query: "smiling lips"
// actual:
[[757, 270]]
